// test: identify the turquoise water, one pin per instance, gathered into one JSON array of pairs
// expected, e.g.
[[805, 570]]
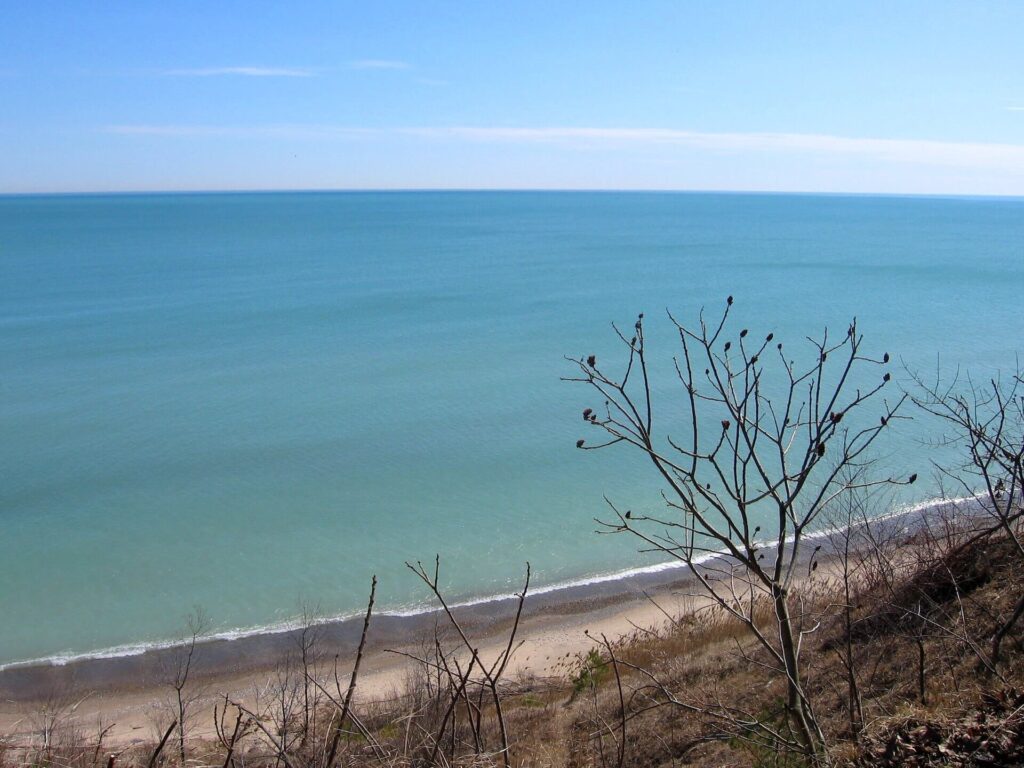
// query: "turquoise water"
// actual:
[[243, 401]]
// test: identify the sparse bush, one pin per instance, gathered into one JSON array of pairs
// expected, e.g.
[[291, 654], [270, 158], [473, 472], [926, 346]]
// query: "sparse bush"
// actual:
[[765, 444]]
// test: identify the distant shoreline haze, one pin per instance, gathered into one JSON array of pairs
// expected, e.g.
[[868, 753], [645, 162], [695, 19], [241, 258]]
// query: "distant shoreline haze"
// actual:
[[187, 191], [246, 401]]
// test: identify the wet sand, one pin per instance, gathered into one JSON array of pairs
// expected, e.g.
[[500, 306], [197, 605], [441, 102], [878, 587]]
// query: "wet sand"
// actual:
[[132, 692]]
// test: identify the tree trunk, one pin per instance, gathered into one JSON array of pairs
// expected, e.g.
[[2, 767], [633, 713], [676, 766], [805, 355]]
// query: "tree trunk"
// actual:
[[797, 706]]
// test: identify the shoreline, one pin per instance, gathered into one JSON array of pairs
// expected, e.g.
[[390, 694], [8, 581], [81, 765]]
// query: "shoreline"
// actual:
[[130, 690], [128, 651], [129, 693], [254, 650]]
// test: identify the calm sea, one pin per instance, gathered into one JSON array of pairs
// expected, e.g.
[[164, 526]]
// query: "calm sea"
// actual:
[[247, 401]]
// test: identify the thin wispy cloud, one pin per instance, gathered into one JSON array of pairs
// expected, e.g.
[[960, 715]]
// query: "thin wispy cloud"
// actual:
[[379, 64], [970, 154], [1015, 109], [242, 72], [1006, 157], [281, 130]]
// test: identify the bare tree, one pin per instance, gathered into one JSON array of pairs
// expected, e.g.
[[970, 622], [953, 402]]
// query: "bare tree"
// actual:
[[307, 640], [766, 444], [180, 665], [285, 701], [53, 720], [472, 685], [847, 522], [987, 422], [241, 728], [343, 702]]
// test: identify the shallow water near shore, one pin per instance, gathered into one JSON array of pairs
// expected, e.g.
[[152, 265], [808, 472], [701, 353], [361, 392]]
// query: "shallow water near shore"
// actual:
[[246, 401]]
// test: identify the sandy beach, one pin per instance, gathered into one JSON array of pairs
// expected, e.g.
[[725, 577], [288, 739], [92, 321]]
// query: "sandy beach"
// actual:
[[131, 694]]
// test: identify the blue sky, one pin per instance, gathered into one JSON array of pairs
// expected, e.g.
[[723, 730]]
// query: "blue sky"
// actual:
[[908, 97]]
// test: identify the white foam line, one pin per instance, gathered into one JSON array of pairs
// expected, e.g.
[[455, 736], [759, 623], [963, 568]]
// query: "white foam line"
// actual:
[[137, 649]]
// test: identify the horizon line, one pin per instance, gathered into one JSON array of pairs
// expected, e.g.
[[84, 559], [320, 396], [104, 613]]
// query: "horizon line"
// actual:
[[500, 190]]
